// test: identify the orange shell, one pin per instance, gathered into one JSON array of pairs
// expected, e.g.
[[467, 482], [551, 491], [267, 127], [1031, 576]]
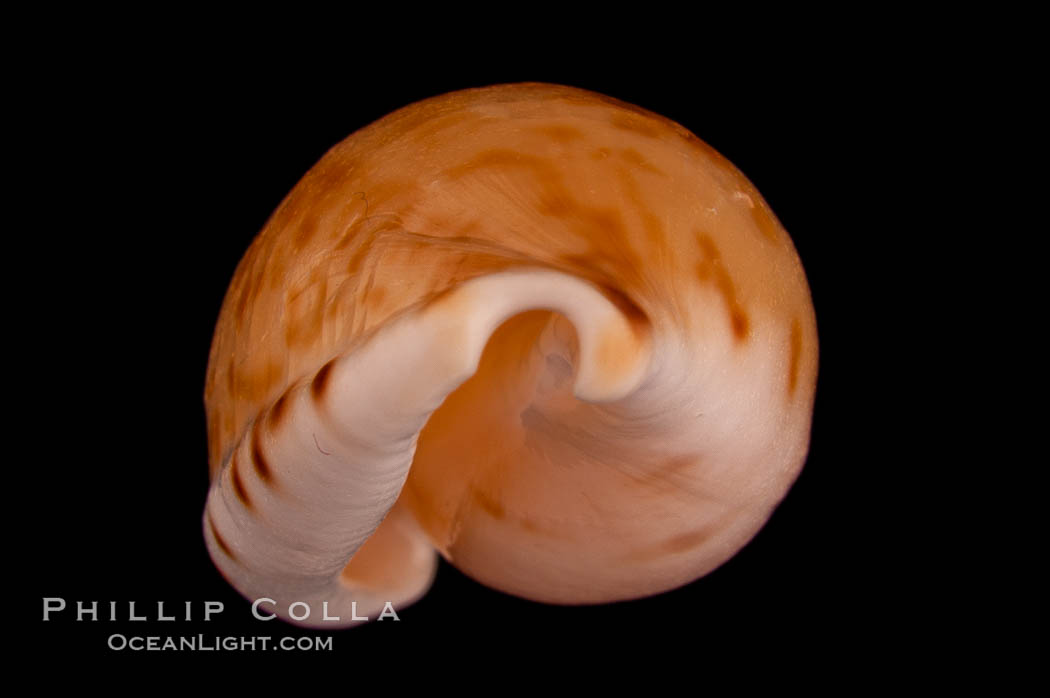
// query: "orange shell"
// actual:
[[515, 478]]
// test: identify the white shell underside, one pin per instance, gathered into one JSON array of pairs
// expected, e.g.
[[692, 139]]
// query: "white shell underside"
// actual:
[[336, 461]]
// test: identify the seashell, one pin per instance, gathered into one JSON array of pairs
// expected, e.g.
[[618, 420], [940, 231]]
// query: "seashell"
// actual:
[[554, 337]]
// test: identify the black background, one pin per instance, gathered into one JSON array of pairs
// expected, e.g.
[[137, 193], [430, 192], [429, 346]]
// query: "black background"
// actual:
[[147, 183]]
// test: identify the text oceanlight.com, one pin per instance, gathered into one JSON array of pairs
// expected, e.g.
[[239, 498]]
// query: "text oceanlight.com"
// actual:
[[215, 643]]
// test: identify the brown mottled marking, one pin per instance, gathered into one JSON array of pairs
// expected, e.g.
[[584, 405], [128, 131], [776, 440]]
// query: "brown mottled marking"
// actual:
[[358, 258], [687, 541], [243, 296], [306, 313], [603, 228], [470, 229], [278, 411], [709, 152], [711, 268], [764, 218], [305, 232], [556, 202], [603, 267], [466, 267], [490, 505], [560, 132], [635, 159], [384, 192], [376, 296], [636, 123], [740, 323], [320, 381], [505, 158], [238, 484], [611, 252], [628, 308], [437, 297], [262, 467], [218, 539], [678, 463], [796, 353], [654, 227], [429, 129], [254, 381], [350, 215], [327, 176]]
